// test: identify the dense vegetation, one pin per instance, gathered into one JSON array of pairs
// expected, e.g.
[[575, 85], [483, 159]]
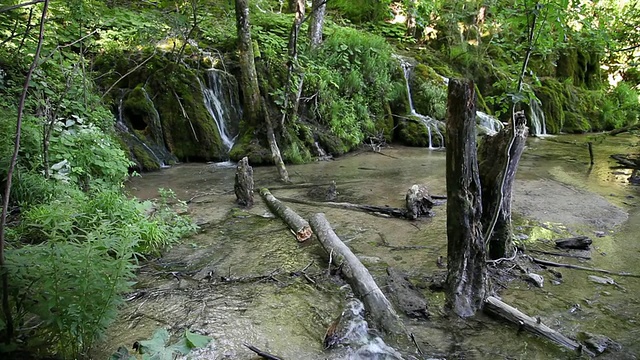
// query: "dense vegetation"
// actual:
[[74, 237]]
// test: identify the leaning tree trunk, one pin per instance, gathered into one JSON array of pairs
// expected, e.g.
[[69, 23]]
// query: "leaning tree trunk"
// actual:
[[248, 76], [249, 82], [317, 22], [467, 272], [495, 153]]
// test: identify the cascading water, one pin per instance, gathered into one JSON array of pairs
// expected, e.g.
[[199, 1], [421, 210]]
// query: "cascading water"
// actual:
[[488, 124], [537, 118], [432, 125], [222, 104]]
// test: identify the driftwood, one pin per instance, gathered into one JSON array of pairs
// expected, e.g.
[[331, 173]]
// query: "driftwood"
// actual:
[[262, 354], [380, 310], [244, 183], [496, 307], [569, 266], [559, 254], [467, 270], [298, 225], [624, 129], [578, 242], [418, 202], [372, 209], [627, 161]]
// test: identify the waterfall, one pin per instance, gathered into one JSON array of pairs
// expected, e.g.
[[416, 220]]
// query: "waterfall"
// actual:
[[487, 123], [432, 125], [221, 102], [537, 118]]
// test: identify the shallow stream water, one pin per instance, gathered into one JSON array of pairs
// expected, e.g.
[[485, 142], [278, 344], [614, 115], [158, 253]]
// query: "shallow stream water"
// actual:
[[239, 280]]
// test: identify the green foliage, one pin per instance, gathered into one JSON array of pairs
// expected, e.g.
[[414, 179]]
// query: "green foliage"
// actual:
[[360, 11], [353, 74], [158, 347], [69, 288]]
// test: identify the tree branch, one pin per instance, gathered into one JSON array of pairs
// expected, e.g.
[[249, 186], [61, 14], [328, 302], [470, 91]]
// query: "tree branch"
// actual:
[[12, 7]]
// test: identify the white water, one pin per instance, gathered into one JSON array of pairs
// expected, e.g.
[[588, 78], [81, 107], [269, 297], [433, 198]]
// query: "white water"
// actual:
[[536, 115], [489, 124], [430, 123], [214, 102]]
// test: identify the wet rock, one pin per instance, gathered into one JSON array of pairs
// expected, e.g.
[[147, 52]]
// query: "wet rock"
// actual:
[[599, 343], [408, 299], [599, 233], [537, 280]]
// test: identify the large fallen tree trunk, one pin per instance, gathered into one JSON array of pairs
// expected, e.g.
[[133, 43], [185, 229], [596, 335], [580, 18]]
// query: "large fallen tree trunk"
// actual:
[[496, 307], [372, 209], [577, 267], [381, 312], [297, 224]]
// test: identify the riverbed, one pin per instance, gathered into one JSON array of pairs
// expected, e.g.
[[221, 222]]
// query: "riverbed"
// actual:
[[240, 280]]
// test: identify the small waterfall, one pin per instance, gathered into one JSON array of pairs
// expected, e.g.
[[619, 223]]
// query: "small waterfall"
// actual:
[[432, 125], [488, 124], [537, 118], [221, 101]]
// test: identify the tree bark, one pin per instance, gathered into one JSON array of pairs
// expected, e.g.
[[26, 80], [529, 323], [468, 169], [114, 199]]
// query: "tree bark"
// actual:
[[467, 272], [244, 183], [494, 152], [298, 225], [381, 312], [495, 306], [317, 22], [248, 76]]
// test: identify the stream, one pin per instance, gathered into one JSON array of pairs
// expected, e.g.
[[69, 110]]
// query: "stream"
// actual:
[[239, 280]]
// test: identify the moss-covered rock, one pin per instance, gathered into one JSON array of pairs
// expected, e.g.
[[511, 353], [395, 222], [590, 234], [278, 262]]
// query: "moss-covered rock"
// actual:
[[248, 144], [413, 133]]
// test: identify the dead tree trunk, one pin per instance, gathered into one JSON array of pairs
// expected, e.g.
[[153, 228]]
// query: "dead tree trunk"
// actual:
[[299, 226], [494, 152], [381, 312], [467, 272], [244, 183]]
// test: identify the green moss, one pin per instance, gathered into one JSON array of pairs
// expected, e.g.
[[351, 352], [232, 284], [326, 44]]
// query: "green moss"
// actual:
[[250, 146], [412, 133], [331, 143], [143, 158]]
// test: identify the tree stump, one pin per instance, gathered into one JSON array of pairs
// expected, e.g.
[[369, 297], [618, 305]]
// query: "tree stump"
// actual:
[[244, 183], [494, 152], [419, 202], [467, 269]]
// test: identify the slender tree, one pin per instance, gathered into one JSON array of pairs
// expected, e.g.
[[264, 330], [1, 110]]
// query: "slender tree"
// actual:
[[253, 105], [317, 22], [8, 319]]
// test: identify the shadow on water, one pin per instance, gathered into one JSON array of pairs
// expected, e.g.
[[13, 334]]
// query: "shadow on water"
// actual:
[[240, 279]]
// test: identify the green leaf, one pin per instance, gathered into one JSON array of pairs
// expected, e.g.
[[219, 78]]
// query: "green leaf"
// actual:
[[196, 340], [156, 344]]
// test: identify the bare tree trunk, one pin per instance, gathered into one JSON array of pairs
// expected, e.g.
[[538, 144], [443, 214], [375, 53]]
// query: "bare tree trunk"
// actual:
[[411, 18], [249, 81], [248, 75], [494, 152], [467, 272], [317, 22]]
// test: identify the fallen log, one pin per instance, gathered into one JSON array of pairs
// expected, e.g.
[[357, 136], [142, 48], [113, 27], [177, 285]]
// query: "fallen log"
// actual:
[[298, 225], [372, 209], [380, 310], [578, 242], [262, 354], [624, 129], [569, 266], [560, 254], [493, 305]]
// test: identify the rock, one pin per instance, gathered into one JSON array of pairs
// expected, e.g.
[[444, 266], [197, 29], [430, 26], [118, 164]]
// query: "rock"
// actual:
[[537, 280], [244, 183], [408, 299], [599, 233]]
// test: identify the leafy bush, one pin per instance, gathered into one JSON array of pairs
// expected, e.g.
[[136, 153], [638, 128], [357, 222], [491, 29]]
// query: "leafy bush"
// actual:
[[354, 74]]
